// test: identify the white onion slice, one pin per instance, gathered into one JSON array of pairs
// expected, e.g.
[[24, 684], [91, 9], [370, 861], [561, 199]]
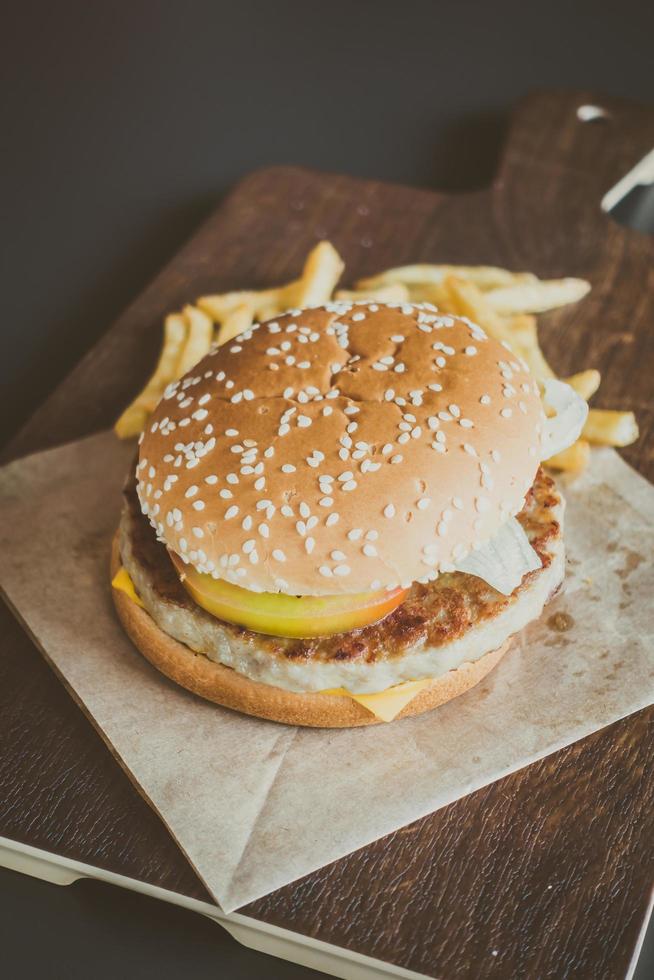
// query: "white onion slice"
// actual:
[[504, 560], [565, 427]]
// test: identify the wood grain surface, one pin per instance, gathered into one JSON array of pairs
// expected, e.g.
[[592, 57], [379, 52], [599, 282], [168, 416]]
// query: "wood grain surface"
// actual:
[[546, 873]]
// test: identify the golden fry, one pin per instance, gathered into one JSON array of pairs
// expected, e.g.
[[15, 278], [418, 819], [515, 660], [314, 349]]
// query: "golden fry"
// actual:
[[524, 340], [322, 270], [585, 383], [466, 299], [483, 276], [238, 320], [537, 296], [394, 292], [132, 421], [198, 339], [220, 305], [609, 428], [574, 459]]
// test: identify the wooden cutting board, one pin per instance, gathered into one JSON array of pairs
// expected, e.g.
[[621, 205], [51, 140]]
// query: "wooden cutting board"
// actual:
[[545, 873]]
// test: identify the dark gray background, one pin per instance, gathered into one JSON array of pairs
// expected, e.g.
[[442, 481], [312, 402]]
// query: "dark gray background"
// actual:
[[123, 123]]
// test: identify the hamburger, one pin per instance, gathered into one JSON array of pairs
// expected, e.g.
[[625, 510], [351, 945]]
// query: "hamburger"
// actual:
[[341, 517]]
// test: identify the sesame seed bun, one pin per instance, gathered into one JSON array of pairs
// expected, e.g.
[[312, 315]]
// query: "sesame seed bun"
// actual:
[[230, 689], [341, 449]]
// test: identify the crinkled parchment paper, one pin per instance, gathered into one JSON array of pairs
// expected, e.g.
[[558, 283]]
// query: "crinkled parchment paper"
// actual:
[[254, 805]]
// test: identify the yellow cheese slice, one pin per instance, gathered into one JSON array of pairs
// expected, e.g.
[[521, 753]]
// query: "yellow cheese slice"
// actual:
[[123, 582], [385, 705]]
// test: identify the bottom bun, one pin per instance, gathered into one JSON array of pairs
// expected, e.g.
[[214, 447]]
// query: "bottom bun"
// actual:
[[230, 689]]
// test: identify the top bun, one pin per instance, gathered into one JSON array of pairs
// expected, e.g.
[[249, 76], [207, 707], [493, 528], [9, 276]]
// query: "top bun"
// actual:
[[343, 448]]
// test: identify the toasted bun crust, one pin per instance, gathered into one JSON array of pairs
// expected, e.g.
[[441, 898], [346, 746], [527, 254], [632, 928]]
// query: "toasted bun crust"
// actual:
[[232, 690], [344, 448]]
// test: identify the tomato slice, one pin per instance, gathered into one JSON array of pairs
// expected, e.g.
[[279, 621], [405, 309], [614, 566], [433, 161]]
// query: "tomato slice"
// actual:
[[286, 615]]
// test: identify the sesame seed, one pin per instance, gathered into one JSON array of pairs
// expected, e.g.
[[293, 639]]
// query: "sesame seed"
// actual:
[[260, 483], [423, 503], [470, 351], [248, 546], [264, 530], [482, 504], [191, 492], [369, 551], [231, 512], [246, 523], [198, 504], [342, 570], [198, 532], [326, 501], [279, 555], [338, 556], [389, 511], [397, 458], [309, 545], [349, 485], [471, 451], [354, 534], [441, 528], [332, 519], [466, 423], [288, 468], [506, 413], [325, 570]]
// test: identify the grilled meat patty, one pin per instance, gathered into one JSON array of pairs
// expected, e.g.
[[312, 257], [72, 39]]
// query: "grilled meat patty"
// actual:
[[457, 618]]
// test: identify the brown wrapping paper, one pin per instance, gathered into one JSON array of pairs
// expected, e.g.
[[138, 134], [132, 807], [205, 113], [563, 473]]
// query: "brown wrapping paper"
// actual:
[[255, 805]]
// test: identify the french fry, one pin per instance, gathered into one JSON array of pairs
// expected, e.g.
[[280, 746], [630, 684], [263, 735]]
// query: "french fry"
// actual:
[[483, 276], [198, 339], [537, 296], [524, 341], [574, 459], [322, 270], [609, 428], [585, 383], [466, 299], [431, 292], [235, 323], [132, 421], [394, 292], [220, 306]]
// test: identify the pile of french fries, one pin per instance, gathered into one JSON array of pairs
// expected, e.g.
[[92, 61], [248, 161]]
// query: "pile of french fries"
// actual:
[[503, 303]]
